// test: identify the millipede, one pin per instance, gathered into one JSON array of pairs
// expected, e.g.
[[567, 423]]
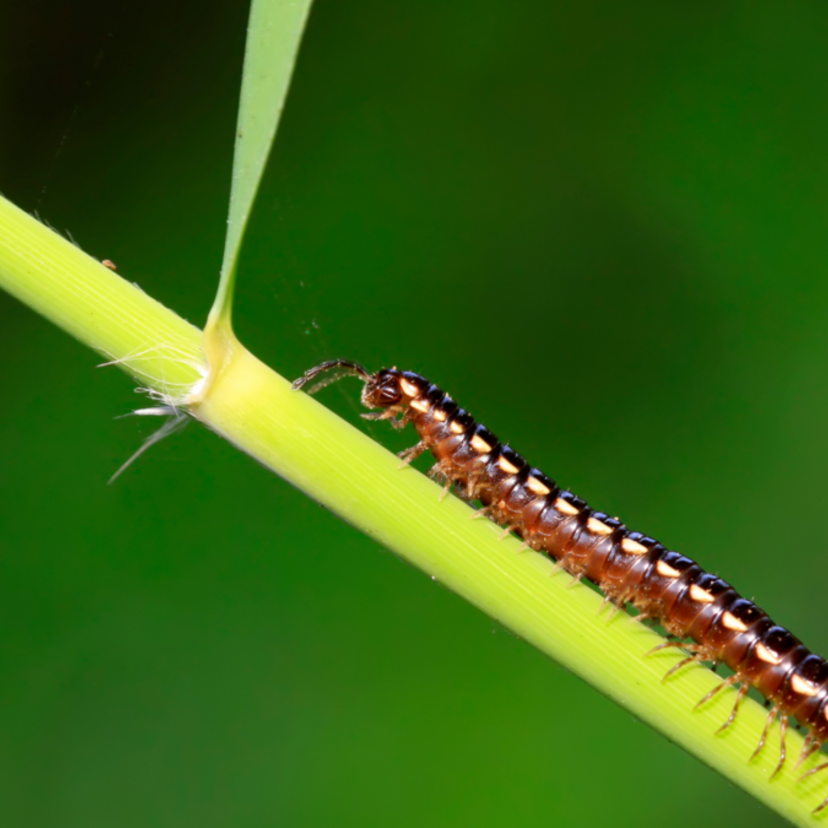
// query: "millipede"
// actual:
[[703, 615]]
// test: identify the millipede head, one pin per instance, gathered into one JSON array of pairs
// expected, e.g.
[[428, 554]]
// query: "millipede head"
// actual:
[[386, 389]]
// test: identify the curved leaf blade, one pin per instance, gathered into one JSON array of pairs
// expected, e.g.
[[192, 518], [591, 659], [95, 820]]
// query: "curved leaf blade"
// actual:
[[273, 36]]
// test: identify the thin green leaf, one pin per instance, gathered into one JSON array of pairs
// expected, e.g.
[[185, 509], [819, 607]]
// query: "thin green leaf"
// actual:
[[273, 35]]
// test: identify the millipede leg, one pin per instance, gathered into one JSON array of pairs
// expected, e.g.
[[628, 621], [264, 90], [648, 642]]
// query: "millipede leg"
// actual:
[[410, 454], [783, 752], [471, 489], [811, 772], [575, 580], [768, 722], [732, 717], [402, 422], [389, 414], [437, 474], [726, 683], [817, 769], [559, 564], [811, 746], [690, 647], [676, 667], [386, 414], [483, 511], [507, 530], [620, 604]]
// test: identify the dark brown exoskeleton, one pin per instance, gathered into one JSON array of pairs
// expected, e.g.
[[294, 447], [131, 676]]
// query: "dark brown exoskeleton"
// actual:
[[627, 566]]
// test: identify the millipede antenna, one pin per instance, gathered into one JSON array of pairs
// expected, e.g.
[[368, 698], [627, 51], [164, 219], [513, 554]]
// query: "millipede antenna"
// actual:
[[343, 368]]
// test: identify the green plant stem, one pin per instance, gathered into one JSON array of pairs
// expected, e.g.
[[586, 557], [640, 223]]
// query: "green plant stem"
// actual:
[[355, 477], [95, 305]]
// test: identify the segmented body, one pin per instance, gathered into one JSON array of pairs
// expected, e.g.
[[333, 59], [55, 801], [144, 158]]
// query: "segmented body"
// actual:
[[629, 567]]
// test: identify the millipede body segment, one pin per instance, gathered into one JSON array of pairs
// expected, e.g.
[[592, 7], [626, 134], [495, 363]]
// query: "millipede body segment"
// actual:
[[629, 567]]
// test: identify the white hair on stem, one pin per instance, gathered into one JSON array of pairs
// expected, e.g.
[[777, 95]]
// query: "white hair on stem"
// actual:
[[175, 397], [172, 393], [177, 419]]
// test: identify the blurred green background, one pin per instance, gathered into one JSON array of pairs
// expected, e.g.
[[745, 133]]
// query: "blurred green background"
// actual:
[[601, 226]]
